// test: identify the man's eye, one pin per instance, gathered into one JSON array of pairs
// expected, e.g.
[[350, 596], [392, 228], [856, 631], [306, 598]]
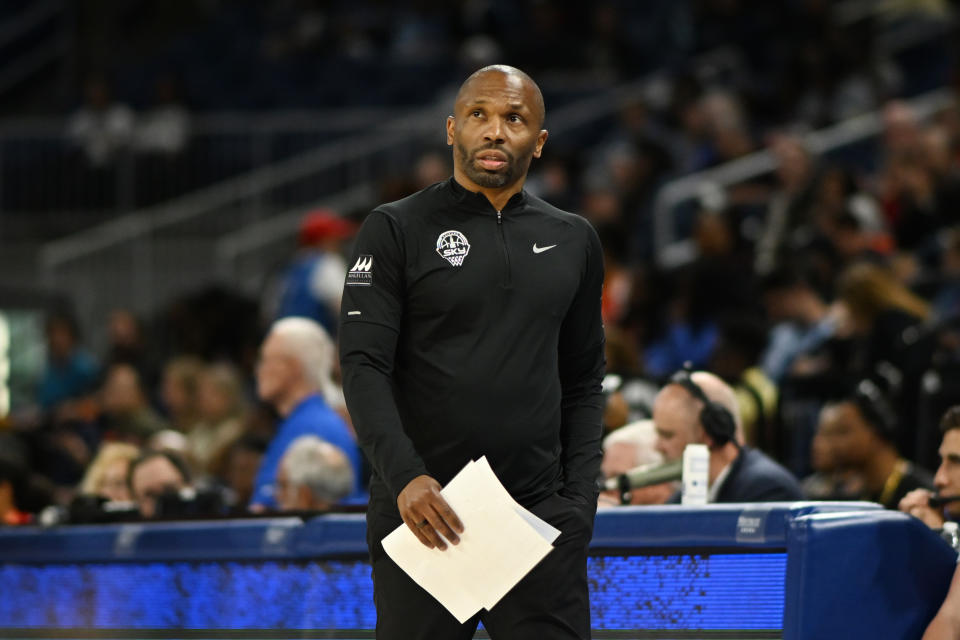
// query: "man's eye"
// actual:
[[515, 118], [475, 113]]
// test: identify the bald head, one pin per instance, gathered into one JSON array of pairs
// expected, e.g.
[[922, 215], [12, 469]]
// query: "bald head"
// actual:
[[718, 391], [676, 413], [513, 76]]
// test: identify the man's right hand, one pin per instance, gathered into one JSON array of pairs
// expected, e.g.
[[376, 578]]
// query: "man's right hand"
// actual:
[[427, 514], [917, 504]]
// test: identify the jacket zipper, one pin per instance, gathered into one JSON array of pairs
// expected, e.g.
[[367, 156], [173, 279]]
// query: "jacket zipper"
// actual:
[[503, 244]]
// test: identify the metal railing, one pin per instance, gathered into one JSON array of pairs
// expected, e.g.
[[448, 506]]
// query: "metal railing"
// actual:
[[45, 173], [232, 232], [671, 249]]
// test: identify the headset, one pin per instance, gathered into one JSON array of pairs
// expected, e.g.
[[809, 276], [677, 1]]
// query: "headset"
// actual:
[[875, 408], [715, 418]]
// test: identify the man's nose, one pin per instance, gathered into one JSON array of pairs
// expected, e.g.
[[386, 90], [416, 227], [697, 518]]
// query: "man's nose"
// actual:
[[494, 131], [658, 446], [940, 479]]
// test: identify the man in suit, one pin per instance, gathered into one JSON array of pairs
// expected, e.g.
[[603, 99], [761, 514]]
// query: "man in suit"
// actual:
[[699, 408]]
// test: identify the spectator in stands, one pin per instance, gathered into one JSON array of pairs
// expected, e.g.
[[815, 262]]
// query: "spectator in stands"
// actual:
[[127, 344], [879, 305], [901, 128], [238, 468], [313, 474], [726, 124], [616, 410], [699, 408], [626, 448], [860, 430], [628, 395], [296, 360], [164, 129], [789, 204], [153, 474], [829, 480], [740, 342], [178, 391], [13, 481], [71, 372], [885, 318], [801, 320], [920, 187], [169, 440], [691, 333], [107, 474], [938, 150], [313, 282], [910, 201], [946, 302], [127, 414], [946, 481], [100, 127], [222, 408]]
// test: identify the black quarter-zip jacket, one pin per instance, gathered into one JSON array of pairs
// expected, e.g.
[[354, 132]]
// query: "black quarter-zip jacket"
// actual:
[[468, 332]]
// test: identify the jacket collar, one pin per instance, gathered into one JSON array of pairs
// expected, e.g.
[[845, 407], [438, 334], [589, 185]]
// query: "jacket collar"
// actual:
[[476, 202]]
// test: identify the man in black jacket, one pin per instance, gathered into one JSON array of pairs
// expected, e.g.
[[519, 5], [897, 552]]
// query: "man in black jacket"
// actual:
[[470, 326], [699, 408]]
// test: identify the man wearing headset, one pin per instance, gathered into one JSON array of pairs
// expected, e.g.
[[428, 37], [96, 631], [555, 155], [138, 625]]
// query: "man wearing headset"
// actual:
[[699, 408]]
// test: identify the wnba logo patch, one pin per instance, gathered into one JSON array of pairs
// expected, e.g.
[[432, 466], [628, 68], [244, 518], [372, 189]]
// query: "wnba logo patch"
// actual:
[[453, 247], [361, 273]]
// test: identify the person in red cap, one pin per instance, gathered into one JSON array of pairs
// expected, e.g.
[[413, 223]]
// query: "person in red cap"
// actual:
[[312, 284]]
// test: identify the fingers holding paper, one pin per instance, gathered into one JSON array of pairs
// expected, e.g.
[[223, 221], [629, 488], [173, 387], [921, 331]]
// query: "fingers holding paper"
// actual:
[[427, 514]]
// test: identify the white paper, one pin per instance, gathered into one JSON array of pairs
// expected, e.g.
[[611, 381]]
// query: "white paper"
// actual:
[[500, 544]]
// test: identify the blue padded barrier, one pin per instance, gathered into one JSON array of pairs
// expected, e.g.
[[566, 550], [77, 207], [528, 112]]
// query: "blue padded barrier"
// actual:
[[860, 575], [761, 525], [795, 571]]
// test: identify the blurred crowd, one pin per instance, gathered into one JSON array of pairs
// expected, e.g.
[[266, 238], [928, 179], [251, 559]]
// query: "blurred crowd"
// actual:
[[826, 297], [825, 294]]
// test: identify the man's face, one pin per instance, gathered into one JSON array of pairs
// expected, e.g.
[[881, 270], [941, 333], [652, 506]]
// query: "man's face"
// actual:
[[947, 479], [275, 370], [495, 131], [676, 421], [843, 431], [121, 393], [620, 457], [242, 470], [151, 479]]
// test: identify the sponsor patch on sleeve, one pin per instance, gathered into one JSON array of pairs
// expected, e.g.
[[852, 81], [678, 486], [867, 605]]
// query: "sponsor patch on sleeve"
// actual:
[[361, 273]]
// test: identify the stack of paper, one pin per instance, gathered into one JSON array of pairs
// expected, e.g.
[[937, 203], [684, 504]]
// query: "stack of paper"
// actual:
[[500, 544]]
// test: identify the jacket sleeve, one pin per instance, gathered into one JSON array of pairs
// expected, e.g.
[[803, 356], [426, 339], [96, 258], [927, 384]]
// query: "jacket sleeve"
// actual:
[[582, 363], [371, 313]]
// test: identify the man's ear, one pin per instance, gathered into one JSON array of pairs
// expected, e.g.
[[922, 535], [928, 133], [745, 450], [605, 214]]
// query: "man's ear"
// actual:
[[541, 140], [451, 126], [304, 497]]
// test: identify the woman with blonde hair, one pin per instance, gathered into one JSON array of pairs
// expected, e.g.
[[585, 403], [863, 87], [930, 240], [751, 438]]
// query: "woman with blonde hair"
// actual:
[[886, 323], [107, 474], [870, 292]]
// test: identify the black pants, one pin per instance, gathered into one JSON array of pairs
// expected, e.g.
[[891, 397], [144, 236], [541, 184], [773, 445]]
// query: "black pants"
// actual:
[[551, 601]]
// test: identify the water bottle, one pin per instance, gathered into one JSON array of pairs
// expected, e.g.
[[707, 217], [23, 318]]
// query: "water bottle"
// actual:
[[696, 471]]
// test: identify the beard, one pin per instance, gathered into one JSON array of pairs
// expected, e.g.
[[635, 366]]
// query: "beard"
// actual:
[[515, 168]]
